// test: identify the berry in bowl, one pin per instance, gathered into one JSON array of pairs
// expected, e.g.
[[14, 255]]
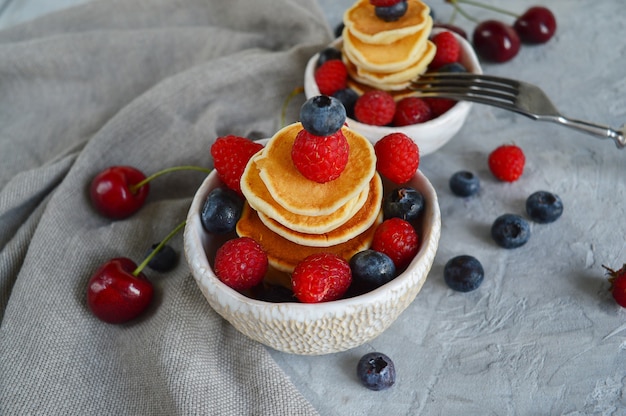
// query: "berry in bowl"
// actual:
[[334, 237], [370, 69]]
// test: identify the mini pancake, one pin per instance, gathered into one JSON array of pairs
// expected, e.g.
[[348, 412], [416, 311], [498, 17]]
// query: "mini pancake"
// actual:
[[357, 224], [299, 195], [260, 199], [363, 23], [361, 89], [284, 255], [388, 58], [397, 80]]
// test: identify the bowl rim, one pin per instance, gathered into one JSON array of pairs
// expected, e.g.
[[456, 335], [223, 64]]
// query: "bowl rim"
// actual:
[[468, 54], [194, 249]]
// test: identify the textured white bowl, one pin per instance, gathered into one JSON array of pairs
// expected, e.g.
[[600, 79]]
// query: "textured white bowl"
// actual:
[[311, 329], [430, 135]]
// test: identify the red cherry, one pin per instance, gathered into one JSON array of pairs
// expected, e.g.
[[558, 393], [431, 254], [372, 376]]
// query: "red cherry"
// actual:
[[115, 295], [536, 25], [112, 192], [495, 41]]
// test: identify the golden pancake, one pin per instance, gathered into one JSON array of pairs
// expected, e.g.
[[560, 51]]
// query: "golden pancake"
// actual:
[[357, 224], [392, 57], [362, 22], [397, 80], [362, 89], [299, 195], [262, 201], [284, 255]]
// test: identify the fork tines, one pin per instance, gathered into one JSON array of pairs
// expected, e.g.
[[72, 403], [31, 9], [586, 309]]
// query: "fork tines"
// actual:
[[486, 89]]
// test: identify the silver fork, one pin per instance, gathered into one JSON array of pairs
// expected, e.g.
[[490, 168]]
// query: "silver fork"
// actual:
[[509, 94]]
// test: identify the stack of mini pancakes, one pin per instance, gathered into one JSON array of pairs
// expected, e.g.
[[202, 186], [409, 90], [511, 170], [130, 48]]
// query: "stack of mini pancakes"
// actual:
[[386, 55], [292, 217]]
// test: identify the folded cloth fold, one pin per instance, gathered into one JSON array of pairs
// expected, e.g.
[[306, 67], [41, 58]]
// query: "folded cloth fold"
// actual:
[[149, 84]]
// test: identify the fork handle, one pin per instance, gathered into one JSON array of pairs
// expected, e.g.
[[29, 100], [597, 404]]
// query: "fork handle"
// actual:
[[618, 136]]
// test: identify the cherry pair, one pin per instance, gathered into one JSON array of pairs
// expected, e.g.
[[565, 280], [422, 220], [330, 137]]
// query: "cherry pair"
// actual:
[[497, 41], [119, 291]]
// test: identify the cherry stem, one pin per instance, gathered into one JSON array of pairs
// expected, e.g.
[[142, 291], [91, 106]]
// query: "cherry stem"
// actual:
[[455, 3], [455, 12], [292, 94], [135, 187], [158, 248], [462, 12]]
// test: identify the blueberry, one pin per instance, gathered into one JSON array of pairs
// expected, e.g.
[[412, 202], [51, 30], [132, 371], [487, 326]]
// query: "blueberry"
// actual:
[[464, 183], [405, 202], [328, 54], [221, 211], [348, 98], [510, 231], [370, 270], [164, 260], [322, 115], [463, 273], [376, 371], [544, 207], [391, 13], [452, 67]]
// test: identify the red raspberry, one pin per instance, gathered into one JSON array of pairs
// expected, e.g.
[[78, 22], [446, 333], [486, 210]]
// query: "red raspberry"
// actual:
[[507, 162], [618, 284], [397, 157], [411, 110], [230, 157], [384, 3], [439, 106], [241, 263], [396, 238], [375, 107], [448, 49], [320, 158], [331, 76], [321, 277]]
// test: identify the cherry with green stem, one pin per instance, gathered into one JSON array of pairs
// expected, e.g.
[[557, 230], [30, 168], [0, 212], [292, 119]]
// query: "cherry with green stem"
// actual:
[[119, 291], [119, 191]]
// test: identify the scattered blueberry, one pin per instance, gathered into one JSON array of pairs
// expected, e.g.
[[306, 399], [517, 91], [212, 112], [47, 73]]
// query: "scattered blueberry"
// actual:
[[376, 371], [464, 183], [370, 270], [221, 211], [452, 67], [348, 98], [391, 13], [164, 260], [463, 273], [322, 115], [328, 54], [510, 231], [405, 202], [544, 207]]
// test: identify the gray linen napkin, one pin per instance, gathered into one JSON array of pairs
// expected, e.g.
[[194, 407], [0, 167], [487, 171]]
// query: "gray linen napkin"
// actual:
[[147, 83]]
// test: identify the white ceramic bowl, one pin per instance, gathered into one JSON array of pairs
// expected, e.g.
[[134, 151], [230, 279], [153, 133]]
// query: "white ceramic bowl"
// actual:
[[429, 136], [311, 329]]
